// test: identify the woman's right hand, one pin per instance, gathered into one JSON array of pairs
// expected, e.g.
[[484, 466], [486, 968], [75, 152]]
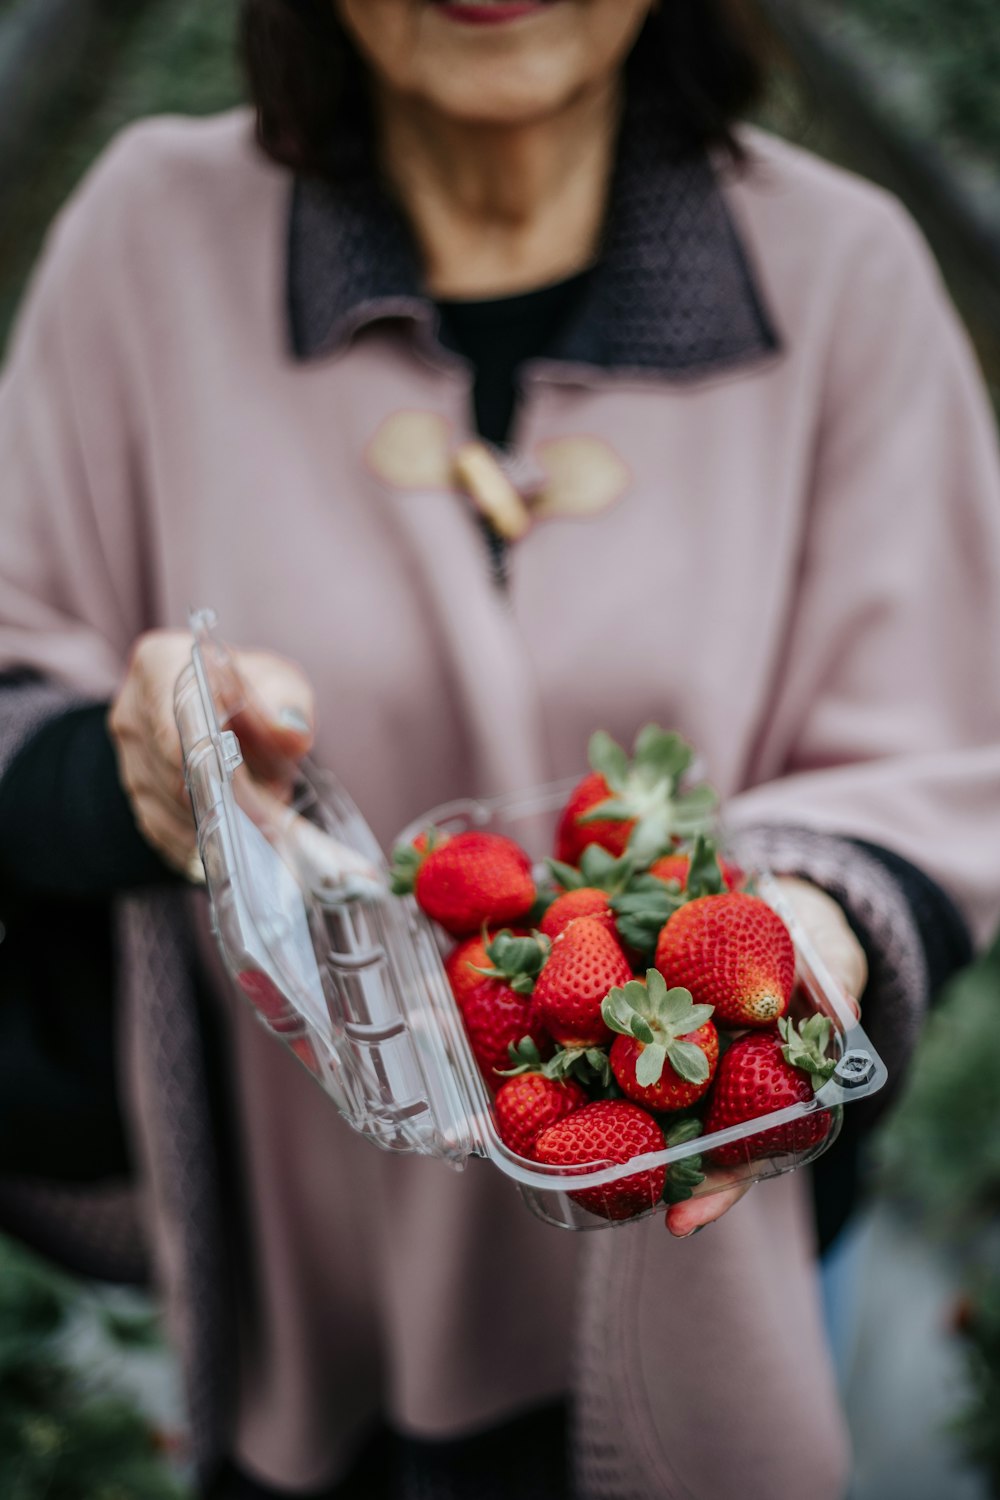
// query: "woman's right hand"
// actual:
[[275, 731]]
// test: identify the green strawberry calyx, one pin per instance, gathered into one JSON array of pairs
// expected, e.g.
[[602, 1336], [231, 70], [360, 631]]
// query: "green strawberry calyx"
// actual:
[[683, 1176], [806, 1045], [586, 1065], [598, 870], [516, 961], [647, 903], [657, 1018], [406, 862], [645, 790]]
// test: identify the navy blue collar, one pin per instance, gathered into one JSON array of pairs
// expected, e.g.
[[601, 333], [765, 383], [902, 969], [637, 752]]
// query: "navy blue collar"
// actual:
[[673, 291]]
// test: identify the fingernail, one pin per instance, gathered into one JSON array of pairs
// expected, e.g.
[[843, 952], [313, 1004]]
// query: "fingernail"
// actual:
[[294, 719]]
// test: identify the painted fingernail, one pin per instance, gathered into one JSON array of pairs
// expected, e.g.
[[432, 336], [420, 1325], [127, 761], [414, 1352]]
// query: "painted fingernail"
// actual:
[[294, 719]]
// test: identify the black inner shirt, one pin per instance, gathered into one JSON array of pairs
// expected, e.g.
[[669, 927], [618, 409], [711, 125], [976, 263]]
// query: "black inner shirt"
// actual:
[[500, 335]]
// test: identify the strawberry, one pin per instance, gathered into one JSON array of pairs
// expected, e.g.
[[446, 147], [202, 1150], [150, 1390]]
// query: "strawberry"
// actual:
[[463, 964], [466, 881], [610, 1130], [633, 804], [584, 902], [573, 835], [265, 995], [733, 952], [585, 963], [306, 1053], [764, 1072], [667, 1049], [529, 1103], [499, 1011]]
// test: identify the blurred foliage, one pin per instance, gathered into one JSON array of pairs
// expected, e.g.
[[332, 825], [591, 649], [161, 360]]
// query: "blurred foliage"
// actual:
[[955, 45], [979, 1426], [65, 1435], [941, 1150], [163, 57], [940, 1154]]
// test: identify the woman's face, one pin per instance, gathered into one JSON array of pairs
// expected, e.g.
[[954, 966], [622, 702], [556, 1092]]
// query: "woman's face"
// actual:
[[493, 62]]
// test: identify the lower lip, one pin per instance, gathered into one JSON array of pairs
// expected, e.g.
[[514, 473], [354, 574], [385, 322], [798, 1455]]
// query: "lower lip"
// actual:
[[489, 15]]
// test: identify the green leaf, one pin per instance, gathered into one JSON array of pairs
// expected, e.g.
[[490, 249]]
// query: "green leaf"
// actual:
[[806, 1047], [406, 862], [641, 1029], [611, 810], [617, 1012], [688, 1061], [682, 1131], [662, 756], [608, 758], [524, 1057], [656, 990], [603, 871], [705, 876], [653, 907], [516, 958], [674, 1008], [652, 834], [682, 1178], [599, 1063], [649, 1065], [694, 811], [565, 875]]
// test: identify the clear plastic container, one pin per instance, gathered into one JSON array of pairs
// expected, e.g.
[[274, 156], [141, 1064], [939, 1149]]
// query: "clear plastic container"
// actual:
[[351, 979]]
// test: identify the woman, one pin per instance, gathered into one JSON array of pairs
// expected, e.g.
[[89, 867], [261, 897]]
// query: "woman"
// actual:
[[735, 421]]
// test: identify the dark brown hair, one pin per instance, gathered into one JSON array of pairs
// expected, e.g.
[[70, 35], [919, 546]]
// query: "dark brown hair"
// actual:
[[697, 64]]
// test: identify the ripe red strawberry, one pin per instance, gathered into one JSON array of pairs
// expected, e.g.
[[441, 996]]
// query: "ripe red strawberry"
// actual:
[[467, 881], [572, 836], [265, 995], [530, 1103], [764, 1072], [732, 952], [633, 802], [498, 1011], [306, 1054], [676, 866], [497, 1018], [585, 963], [666, 1050], [462, 964], [584, 902], [610, 1130]]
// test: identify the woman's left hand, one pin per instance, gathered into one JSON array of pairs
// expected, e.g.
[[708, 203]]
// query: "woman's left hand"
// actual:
[[830, 934]]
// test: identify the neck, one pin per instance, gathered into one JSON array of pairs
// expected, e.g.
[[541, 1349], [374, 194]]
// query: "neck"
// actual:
[[501, 209]]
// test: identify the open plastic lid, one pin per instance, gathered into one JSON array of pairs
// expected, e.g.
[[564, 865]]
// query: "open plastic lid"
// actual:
[[344, 973]]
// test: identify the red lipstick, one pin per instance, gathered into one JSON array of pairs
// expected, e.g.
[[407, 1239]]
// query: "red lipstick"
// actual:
[[468, 13]]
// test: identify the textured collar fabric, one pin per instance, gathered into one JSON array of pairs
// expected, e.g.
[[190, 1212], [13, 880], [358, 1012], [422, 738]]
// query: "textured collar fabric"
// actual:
[[673, 292]]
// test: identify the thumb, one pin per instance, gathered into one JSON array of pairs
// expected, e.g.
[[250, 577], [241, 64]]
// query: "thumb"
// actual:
[[275, 726]]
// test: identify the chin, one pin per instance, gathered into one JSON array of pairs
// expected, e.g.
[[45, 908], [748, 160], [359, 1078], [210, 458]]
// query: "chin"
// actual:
[[505, 95]]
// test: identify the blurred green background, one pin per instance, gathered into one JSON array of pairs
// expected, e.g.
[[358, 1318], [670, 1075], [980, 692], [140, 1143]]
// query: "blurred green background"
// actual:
[[906, 91]]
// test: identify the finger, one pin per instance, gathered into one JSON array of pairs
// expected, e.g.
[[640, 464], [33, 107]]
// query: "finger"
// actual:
[[684, 1218]]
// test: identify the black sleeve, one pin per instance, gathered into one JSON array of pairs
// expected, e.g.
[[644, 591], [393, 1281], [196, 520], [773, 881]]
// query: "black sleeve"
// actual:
[[66, 826], [837, 1176]]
